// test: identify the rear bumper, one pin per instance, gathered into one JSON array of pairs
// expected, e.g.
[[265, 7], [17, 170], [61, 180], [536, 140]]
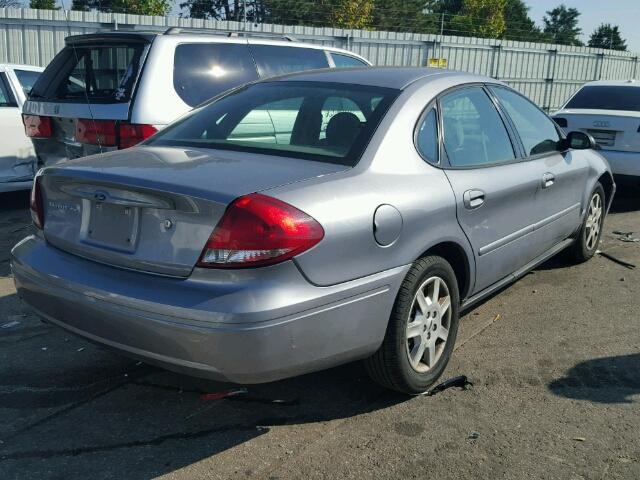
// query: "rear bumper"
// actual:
[[244, 326], [622, 163]]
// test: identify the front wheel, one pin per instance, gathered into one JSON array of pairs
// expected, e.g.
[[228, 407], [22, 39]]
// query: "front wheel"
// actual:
[[422, 329], [591, 230]]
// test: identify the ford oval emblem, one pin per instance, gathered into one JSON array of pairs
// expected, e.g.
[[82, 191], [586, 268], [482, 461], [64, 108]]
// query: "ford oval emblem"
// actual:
[[100, 196]]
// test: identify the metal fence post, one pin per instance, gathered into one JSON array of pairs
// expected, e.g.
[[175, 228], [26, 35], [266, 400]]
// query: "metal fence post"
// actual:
[[495, 61], [548, 81], [599, 64], [635, 68]]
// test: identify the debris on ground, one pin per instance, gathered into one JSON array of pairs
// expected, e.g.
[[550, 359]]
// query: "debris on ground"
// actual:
[[80, 349], [44, 349], [579, 439], [206, 397], [628, 265], [461, 381], [474, 436], [625, 236]]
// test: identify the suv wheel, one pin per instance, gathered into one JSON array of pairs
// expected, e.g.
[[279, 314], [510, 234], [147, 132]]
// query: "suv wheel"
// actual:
[[422, 329]]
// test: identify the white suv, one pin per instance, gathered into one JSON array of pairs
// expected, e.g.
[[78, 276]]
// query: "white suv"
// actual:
[[610, 112], [106, 91]]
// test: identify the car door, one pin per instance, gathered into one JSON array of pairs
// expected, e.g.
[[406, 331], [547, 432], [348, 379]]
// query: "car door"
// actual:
[[495, 191], [16, 151], [559, 193]]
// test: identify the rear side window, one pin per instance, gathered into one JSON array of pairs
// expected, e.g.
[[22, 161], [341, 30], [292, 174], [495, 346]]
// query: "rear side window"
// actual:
[[273, 60], [427, 137], [203, 70], [537, 131], [6, 96], [99, 73], [345, 61], [27, 79], [602, 97], [474, 133]]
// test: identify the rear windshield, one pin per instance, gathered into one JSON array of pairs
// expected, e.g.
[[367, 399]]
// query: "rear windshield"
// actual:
[[27, 79], [607, 98], [308, 120], [99, 73]]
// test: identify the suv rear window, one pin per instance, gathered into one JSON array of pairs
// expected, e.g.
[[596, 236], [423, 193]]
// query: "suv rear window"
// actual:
[[203, 70], [308, 120], [273, 60], [27, 79], [604, 97], [99, 73]]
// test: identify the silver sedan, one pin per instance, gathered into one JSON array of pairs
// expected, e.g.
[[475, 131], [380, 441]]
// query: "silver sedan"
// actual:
[[303, 222]]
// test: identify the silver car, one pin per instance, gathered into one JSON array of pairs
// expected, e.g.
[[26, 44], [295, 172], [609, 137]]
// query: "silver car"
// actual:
[[377, 205]]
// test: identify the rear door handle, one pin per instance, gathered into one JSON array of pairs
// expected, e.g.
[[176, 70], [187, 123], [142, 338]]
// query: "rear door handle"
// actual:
[[547, 180], [473, 199]]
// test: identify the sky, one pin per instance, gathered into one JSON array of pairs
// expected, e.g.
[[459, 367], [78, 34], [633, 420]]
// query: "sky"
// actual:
[[624, 13]]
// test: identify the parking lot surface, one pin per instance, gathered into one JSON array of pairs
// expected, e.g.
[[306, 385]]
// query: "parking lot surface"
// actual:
[[554, 359]]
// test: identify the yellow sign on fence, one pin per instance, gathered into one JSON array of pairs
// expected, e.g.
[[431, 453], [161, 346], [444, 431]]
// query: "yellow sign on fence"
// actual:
[[437, 63]]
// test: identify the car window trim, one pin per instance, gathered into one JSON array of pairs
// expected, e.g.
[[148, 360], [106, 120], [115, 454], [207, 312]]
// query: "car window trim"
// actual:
[[11, 97], [443, 151], [524, 154]]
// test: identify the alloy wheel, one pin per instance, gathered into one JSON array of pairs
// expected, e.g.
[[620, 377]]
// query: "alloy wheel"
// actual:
[[428, 324], [594, 221]]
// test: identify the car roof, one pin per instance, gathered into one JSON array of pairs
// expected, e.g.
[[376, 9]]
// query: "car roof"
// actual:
[[204, 36], [613, 83], [390, 77]]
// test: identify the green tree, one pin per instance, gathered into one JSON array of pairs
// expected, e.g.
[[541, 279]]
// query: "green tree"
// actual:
[[10, 3], [405, 16], [518, 24], [561, 26], [607, 36], [353, 14], [44, 4], [482, 18], [139, 7]]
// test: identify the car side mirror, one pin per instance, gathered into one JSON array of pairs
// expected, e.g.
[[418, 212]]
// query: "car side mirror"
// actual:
[[578, 141]]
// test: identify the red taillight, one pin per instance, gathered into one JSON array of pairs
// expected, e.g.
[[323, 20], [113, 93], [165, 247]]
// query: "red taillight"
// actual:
[[257, 230], [36, 126], [35, 204], [132, 134], [96, 132], [109, 133]]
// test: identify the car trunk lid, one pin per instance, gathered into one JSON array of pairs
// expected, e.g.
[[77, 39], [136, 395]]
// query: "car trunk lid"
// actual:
[[612, 130], [153, 208]]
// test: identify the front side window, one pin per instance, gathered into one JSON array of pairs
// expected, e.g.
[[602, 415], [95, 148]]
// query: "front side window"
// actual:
[[474, 134], [27, 79], [273, 60], [345, 61], [6, 96], [307, 120], [427, 137], [537, 131], [203, 70]]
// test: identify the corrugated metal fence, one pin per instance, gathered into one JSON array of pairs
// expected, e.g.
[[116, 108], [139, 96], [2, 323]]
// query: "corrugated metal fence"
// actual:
[[546, 73]]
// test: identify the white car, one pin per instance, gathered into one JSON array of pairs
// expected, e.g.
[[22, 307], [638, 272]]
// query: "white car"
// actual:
[[610, 112], [17, 157]]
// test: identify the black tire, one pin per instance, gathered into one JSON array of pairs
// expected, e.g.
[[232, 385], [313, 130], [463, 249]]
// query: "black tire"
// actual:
[[390, 365], [582, 250]]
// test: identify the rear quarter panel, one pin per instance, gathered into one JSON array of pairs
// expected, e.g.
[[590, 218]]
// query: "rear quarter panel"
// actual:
[[391, 172]]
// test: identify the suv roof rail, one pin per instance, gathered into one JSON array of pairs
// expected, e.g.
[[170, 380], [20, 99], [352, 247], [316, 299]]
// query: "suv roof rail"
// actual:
[[204, 31]]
